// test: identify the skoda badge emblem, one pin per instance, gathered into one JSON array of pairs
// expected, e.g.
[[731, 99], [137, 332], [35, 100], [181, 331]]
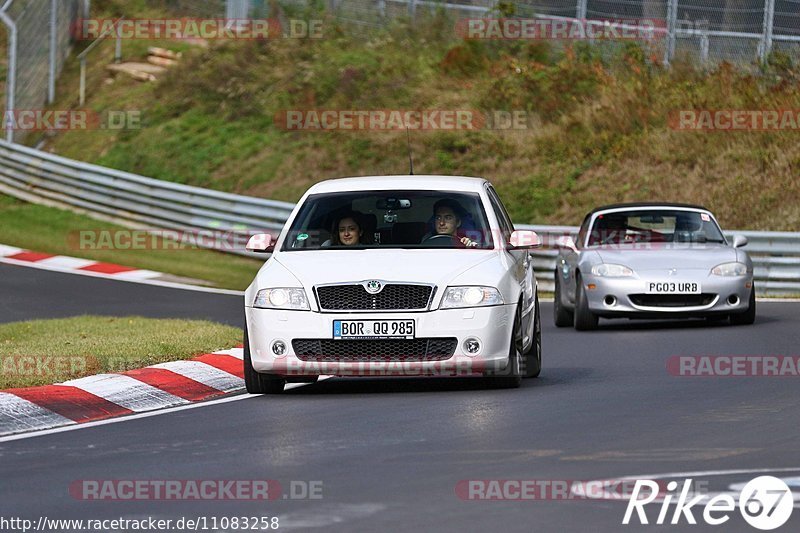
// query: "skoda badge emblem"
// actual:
[[373, 286]]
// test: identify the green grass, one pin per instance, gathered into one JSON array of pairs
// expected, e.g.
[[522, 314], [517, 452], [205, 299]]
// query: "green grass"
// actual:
[[41, 352], [49, 230], [598, 130]]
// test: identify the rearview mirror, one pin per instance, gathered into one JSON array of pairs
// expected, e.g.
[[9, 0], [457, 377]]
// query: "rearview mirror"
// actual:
[[565, 241], [524, 239], [393, 203], [739, 241], [260, 243]]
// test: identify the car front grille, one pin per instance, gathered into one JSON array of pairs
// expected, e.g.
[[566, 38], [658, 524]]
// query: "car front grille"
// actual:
[[374, 350], [672, 300], [393, 297]]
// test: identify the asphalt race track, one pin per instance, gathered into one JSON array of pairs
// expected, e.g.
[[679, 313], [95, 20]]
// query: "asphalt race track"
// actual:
[[390, 454]]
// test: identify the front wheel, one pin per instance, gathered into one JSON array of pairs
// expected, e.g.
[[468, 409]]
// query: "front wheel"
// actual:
[[256, 382], [511, 376], [749, 316], [561, 315], [584, 319], [533, 357]]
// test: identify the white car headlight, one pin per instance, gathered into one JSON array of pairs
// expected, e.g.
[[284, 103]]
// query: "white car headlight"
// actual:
[[611, 270], [730, 269], [282, 298], [470, 297]]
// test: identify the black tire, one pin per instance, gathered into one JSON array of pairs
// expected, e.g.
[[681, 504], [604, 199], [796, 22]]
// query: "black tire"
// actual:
[[511, 376], [562, 316], [256, 382], [585, 320], [749, 316], [533, 357]]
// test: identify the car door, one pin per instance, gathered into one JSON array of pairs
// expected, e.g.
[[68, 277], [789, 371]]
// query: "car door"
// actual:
[[523, 266]]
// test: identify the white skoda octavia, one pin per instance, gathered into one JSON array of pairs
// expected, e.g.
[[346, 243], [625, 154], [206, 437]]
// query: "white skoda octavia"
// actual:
[[394, 276]]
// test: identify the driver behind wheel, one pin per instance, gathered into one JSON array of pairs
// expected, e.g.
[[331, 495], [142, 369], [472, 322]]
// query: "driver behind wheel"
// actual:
[[447, 218]]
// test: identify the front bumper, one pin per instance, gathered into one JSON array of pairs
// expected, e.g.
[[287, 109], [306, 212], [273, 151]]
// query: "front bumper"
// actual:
[[490, 325], [627, 297]]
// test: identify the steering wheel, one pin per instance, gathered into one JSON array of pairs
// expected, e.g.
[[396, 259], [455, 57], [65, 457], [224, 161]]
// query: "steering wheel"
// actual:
[[439, 237]]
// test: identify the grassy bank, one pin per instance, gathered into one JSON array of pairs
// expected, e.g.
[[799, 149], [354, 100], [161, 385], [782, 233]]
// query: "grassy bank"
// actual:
[[41, 352], [597, 130]]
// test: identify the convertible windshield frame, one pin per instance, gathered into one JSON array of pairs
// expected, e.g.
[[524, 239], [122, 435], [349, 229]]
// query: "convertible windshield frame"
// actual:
[[614, 228], [311, 229]]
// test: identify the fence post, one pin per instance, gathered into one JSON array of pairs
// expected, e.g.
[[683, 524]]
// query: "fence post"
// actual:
[[412, 8], [765, 46], [580, 12], [51, 71], [11, 85], [382, 8], [672, 23], [82, 89], [704, 46]]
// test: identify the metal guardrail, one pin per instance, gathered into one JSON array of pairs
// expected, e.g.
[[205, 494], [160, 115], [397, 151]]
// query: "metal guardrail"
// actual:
[[136, 201], [140, 202]]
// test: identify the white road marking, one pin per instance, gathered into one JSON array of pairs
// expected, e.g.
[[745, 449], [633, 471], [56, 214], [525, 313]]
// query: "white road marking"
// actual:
[[148, 414], [204, 373], [126, 391], [17, 414], [137, 274]]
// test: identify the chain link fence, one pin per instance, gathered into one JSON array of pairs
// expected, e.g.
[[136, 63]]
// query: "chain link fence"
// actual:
[[709, 31], [39, 37]]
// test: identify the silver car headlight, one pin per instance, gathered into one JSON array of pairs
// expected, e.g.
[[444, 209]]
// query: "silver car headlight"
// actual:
[[730, 269], [282, 298], [610, 270], [470, 297]]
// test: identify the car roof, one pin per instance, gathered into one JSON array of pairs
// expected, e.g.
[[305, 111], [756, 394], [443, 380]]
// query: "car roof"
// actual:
[[413, 182], [634, 205]]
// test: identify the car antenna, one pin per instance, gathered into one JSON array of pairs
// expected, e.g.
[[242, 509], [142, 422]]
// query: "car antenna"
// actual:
[[410, 159]]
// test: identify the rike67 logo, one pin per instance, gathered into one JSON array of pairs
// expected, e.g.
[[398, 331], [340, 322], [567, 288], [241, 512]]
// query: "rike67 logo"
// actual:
[[765, 503]]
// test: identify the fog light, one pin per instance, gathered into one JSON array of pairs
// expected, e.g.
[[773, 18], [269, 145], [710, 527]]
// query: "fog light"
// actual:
[[610, 301], [472, 346], [733, 299], [279, 348]]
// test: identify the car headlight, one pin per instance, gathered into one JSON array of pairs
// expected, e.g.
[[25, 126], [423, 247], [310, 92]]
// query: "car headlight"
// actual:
[[611, 270], [730, 269], [282, 298], [470, 297]]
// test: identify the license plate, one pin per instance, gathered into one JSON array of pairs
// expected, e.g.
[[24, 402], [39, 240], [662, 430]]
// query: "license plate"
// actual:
[[373, 329], [672, 287]]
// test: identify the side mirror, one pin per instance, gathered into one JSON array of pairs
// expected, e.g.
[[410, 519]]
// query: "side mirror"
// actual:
[[739, 241], [260, 243], [524, 239], [565, 241]]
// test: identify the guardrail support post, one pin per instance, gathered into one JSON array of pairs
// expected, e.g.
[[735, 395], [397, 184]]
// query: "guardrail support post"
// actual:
[[82, 98], [11, 84]]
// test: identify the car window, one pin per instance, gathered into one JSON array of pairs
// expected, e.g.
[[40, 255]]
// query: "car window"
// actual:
[[390, 219], [581, 239], [503, 219], [654, 226]]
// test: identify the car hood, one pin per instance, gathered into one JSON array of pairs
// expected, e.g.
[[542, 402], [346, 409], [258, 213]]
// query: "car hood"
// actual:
[[420, 266], [657, 257]]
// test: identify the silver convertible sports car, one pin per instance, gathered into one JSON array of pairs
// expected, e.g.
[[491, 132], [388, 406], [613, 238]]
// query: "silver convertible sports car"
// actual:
[[652, 261]]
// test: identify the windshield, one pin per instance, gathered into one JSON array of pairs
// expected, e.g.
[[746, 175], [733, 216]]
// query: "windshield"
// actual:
[[654, 226], [390, 219]]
